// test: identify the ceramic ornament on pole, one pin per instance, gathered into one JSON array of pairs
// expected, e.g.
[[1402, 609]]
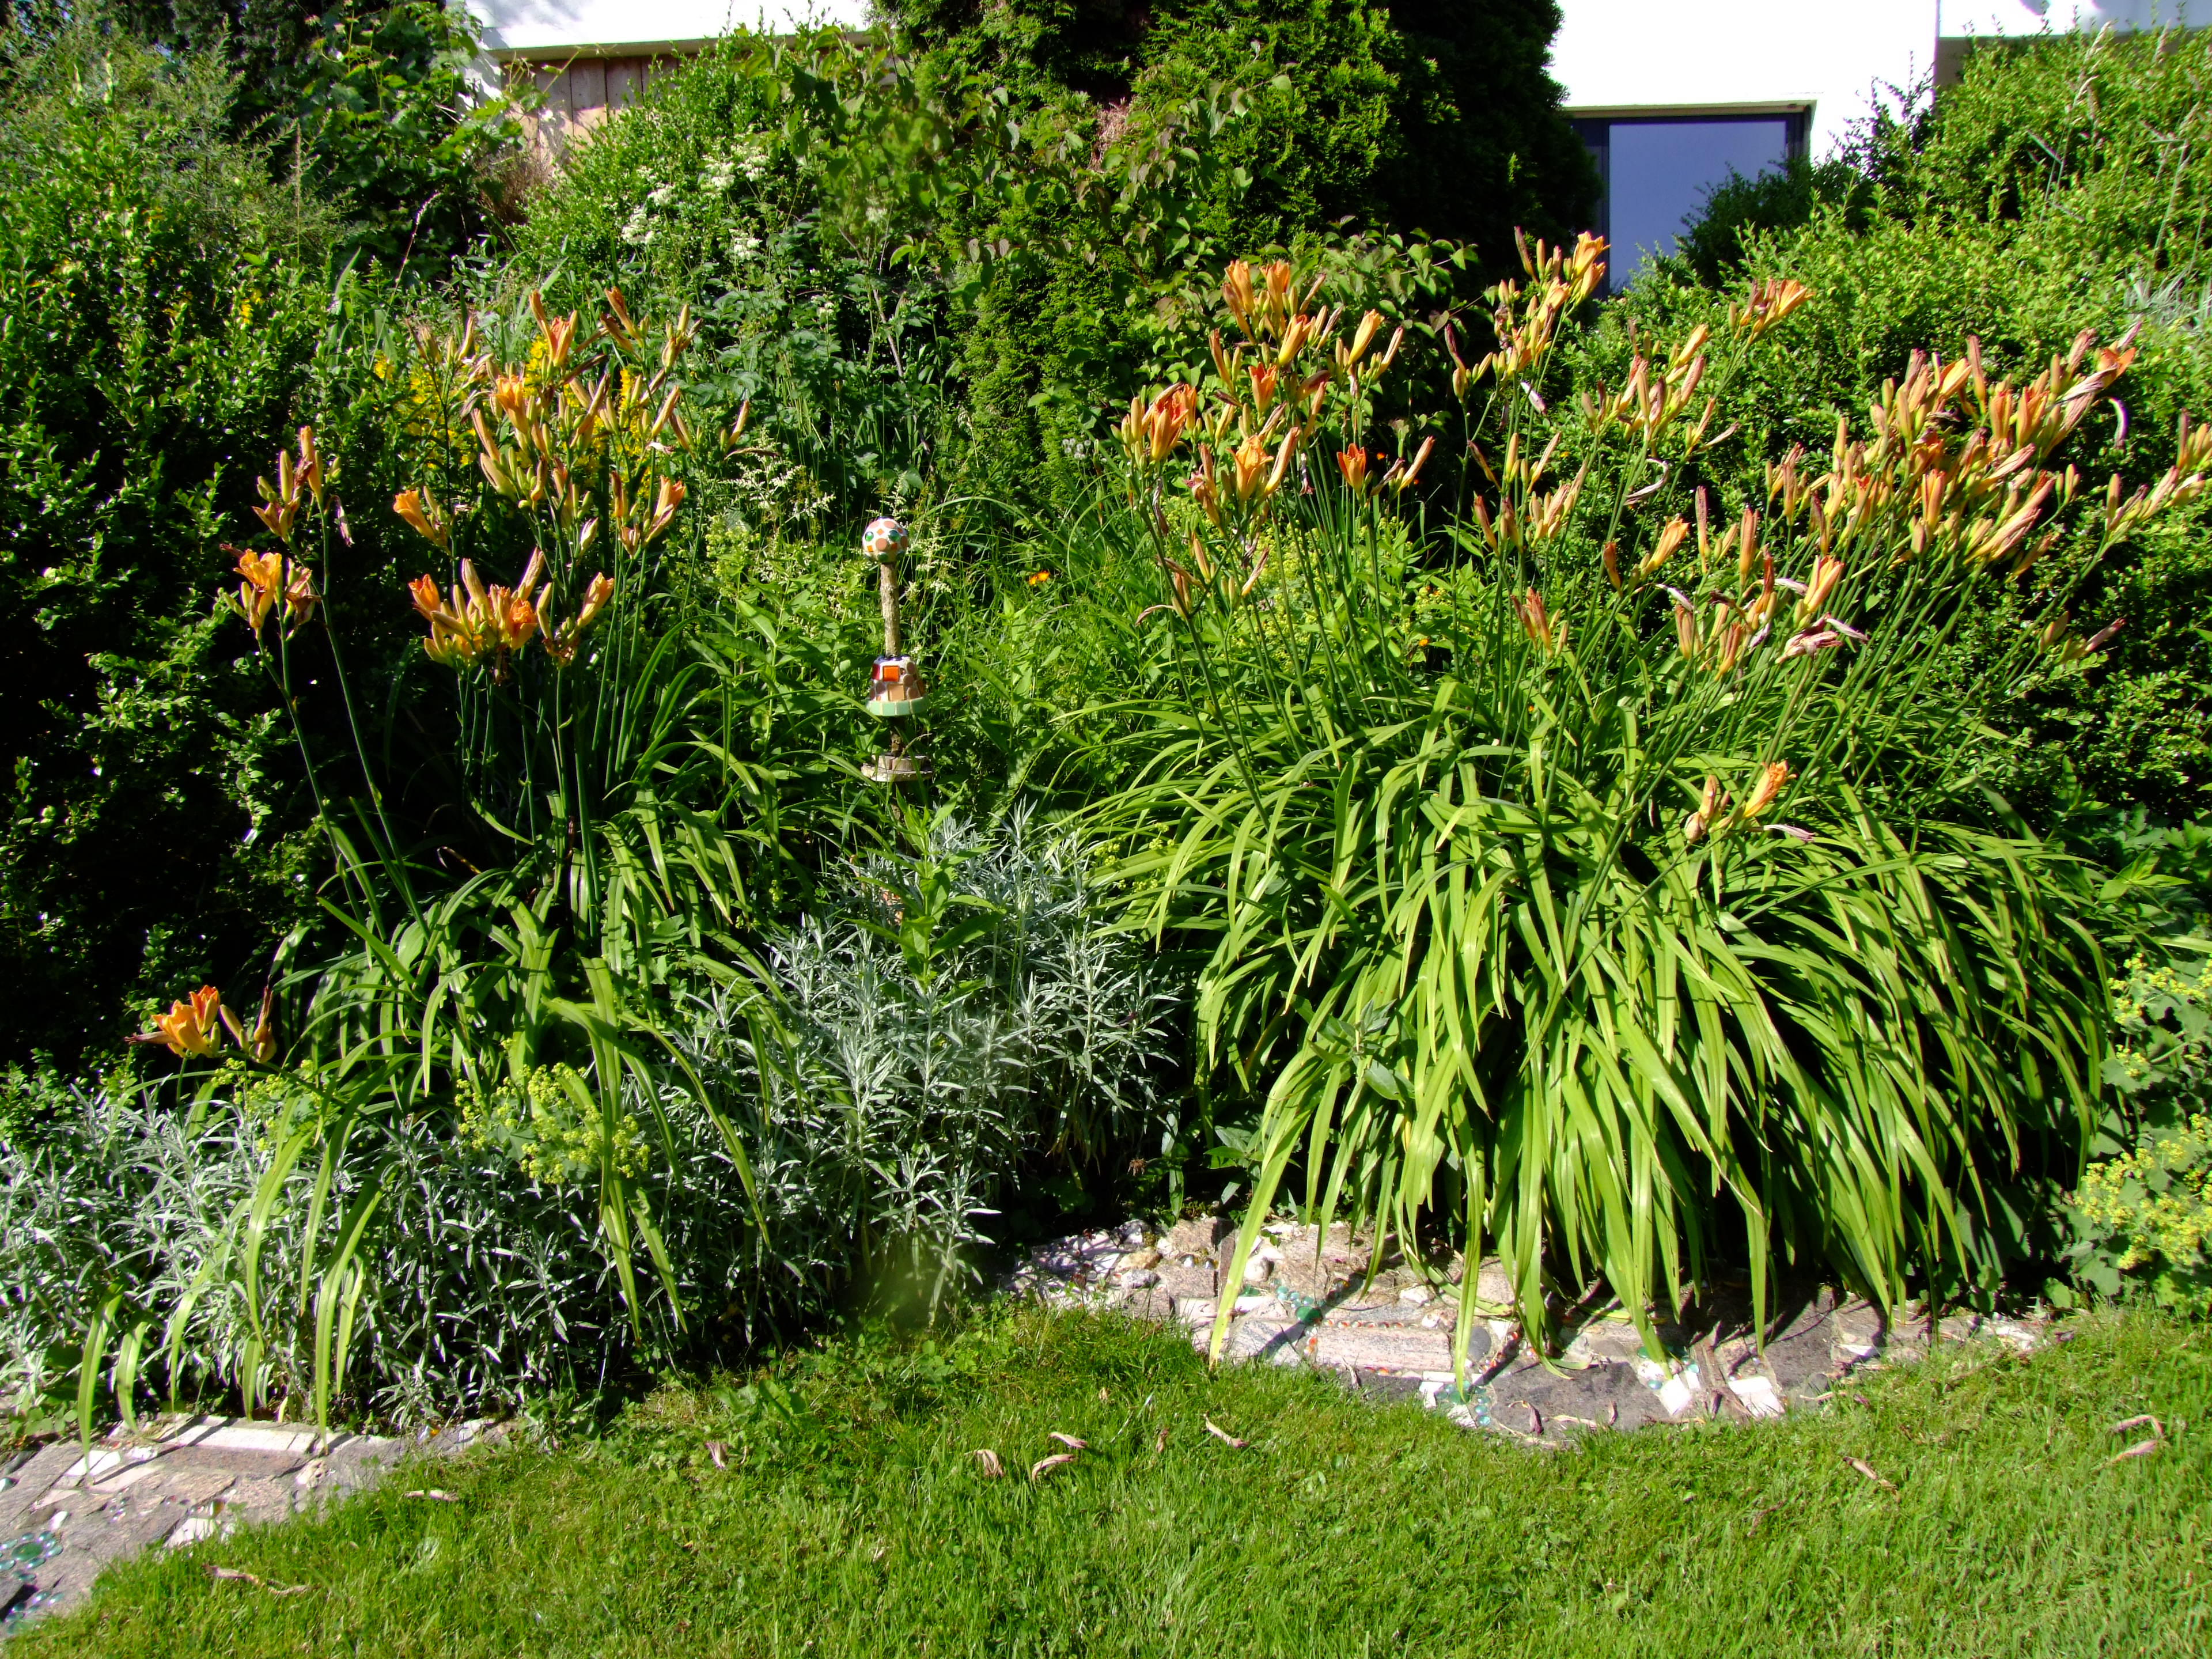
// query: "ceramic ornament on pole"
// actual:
[[895, 690]]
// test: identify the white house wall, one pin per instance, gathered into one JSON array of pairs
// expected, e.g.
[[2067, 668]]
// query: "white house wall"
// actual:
[[1984, 19], [615, 28], [1630, 56]]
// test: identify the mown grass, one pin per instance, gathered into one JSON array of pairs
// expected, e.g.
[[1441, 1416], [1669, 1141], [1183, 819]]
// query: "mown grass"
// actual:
[[851, 1519]]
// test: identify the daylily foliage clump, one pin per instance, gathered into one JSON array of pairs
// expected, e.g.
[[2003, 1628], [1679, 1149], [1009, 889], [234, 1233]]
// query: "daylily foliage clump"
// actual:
[[1478, 808]]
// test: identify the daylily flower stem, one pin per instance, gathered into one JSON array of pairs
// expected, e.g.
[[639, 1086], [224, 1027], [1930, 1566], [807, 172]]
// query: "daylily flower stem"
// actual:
[[389, 852]]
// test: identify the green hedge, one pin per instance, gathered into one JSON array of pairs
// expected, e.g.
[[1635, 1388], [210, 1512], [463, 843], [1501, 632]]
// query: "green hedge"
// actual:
[[2053, 190]]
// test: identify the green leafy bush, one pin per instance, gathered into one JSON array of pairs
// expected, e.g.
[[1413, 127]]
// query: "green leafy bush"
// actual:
[[2053, 190], [935, 260], [162, 311], [368, 103], [2143, 1216]]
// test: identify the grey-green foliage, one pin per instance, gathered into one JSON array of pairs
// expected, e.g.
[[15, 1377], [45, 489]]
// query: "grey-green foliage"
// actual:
[[957, 1012], [480, 1286], [951, 1014]]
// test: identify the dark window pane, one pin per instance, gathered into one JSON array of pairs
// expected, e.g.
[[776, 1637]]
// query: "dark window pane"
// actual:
[[1657, 174]]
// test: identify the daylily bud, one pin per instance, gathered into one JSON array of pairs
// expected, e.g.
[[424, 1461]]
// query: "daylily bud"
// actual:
[[423, 514], [1772, 778], [1351, 465], [596, 595], [1826, 572], [1420, 457]]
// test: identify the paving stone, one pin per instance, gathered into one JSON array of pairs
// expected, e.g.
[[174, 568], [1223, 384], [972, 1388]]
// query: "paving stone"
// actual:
[[1387, 1347], [1196, 1237], [299, 1444], [191, 1486], [259, 1498], [200, 1455], [1606, 1395], [33, 1480], [362, 1463], [177, 1479], [90, 1467], [1388, 1385], [122, 1480], [1150, 1301], [1802, 1356], [1377, 1314], [1603, 1340], [1193, 1282], [1279, 1341]]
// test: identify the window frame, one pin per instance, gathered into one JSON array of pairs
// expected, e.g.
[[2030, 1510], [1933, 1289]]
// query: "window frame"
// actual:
[[1595, 127]]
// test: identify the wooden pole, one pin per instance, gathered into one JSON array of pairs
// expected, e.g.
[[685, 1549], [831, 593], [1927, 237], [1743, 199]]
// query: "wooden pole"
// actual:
[[887, 586]]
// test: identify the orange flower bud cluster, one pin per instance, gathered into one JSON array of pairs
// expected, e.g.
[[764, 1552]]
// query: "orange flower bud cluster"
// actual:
[[1955, 468], [1538, 518], [1656, 400], [1712, 816], [1769, 301], [1151, 432], [1548, 634], [1526, 318], [2183, 482], [271, 579], [562, 641], [476, 621], [281, 503]]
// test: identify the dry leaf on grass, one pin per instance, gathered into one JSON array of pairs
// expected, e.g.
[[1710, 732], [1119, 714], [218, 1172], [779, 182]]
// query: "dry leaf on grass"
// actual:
[[1068, 1441], [1224, 1435], [258, 1582], [715, 1449], [993, 1468], [1160, 1440], [1045, 1466], [436, 1494], [2141, 1448], [1866, 1469]]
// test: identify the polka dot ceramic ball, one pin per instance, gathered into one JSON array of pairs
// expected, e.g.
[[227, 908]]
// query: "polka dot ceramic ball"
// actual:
[[883, 539]]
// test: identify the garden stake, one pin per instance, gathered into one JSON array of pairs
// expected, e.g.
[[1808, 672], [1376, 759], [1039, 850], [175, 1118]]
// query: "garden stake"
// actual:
[[894, 692]]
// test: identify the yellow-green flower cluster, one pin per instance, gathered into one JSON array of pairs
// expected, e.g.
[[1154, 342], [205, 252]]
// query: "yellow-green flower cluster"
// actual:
[[547, 1128], [2144, 986], [2158, 1199]]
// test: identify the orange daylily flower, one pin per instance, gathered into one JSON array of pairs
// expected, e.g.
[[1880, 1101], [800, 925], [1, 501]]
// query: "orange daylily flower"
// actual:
[[191, 1027]]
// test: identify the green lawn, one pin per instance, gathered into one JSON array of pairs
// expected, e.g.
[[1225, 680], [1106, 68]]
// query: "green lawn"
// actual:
[[851, 1519]]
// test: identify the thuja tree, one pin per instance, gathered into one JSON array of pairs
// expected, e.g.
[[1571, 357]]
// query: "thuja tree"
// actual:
[[1409, 120]]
